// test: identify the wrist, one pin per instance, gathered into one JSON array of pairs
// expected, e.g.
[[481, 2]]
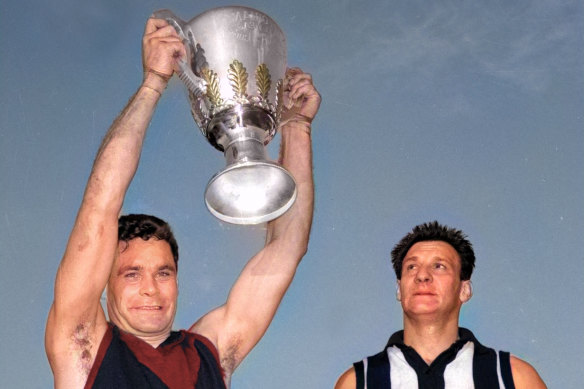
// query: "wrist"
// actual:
[[155, 81], [296, 125], [299, 121]]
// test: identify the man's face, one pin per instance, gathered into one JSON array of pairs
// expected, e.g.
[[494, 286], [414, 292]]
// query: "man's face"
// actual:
[[142, 288], [430, 282]]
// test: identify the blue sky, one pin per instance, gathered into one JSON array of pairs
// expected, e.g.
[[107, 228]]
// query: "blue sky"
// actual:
[[465, 112]]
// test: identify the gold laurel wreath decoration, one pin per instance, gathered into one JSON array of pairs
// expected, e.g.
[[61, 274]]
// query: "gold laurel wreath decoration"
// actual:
[[237, 74], [263, 80], [279, 98], [213, 92]]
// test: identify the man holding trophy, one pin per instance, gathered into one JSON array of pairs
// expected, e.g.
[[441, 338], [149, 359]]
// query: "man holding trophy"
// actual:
[[135, 258]]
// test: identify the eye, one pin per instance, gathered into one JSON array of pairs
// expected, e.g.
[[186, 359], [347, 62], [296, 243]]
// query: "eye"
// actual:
[[411, 266], [131, 275], [164, 274], [439, 266]]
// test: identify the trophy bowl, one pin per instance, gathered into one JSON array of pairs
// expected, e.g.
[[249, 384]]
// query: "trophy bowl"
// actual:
[[234, 72]]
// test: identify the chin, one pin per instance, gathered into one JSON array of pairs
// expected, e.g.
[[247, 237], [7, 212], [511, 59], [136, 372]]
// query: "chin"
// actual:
[[423, 310], [151, 325]]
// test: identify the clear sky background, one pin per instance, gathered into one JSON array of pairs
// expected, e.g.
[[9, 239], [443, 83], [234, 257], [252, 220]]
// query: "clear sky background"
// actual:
[[468, 112]]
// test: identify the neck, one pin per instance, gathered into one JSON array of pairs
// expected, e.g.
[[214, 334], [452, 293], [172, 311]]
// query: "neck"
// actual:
[[154, 340], [429, 338]]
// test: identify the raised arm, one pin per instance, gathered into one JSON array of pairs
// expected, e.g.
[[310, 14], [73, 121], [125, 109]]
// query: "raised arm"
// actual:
[[76, 321], [238, 325]]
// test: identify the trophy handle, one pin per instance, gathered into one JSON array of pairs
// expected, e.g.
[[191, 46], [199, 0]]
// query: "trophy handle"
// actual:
[[173, 20], [194, 84]]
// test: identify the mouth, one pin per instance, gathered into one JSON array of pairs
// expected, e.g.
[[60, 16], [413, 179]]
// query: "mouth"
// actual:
[[148, 308]]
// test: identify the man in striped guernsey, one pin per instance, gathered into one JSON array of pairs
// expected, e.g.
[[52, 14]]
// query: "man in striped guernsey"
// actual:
[[433, 265]]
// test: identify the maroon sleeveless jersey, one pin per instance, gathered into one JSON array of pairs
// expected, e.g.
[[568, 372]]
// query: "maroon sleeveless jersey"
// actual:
[[183, 360]]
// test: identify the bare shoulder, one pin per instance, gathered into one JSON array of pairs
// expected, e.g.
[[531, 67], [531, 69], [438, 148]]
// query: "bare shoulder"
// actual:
[[348, 380], [524, 375], [71, 349]]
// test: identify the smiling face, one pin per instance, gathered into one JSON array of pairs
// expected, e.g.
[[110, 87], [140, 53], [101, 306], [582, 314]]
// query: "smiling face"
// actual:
[[142, 288], [430, 285]]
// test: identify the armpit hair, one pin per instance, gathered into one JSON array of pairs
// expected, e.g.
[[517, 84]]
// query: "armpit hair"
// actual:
[[230, 359], [81, 347]]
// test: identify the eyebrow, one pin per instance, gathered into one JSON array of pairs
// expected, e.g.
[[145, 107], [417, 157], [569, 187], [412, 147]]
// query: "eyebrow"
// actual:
[[124, 269], [167, 267], [434, 258]]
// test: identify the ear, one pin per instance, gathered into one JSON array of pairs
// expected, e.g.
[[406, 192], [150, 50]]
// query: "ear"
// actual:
[[465, 291], [397, 291]]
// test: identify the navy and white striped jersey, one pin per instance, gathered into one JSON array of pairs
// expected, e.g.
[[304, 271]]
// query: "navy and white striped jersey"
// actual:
[[465, 365]]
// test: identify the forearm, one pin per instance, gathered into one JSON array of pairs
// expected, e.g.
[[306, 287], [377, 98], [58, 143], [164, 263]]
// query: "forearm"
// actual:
[[91, 249], [293, 228], [118, 156]]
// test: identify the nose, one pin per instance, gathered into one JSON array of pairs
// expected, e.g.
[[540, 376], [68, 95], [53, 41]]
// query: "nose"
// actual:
[[423, 275], [148, 286]]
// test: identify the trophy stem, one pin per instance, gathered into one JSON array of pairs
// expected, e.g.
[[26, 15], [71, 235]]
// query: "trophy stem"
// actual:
[[251, 189], [243, 150]]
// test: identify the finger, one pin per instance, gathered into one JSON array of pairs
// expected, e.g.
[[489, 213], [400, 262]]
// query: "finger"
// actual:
[[300, 78], [152, 41], [293, 71], [153, 24], [306, 92], [289, 75], [167, 30], [165, 40], [155, 39], [301, 86], [296, 82]]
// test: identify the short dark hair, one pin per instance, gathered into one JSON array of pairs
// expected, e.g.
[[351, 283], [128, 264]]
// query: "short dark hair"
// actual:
[[435, 231], [145, 227]]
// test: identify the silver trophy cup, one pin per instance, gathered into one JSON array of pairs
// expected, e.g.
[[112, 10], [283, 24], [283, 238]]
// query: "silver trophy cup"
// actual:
[[234, 71]]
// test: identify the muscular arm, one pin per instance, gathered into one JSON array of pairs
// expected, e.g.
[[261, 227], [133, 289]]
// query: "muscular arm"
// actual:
[[76, 321], [238, 325], [525, 376]]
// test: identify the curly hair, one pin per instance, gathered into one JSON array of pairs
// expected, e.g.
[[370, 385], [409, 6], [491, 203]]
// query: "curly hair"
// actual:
[[433, 231], [145, 227]]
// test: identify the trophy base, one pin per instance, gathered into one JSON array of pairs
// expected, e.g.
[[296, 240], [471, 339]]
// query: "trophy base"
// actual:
[[250, 192]]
